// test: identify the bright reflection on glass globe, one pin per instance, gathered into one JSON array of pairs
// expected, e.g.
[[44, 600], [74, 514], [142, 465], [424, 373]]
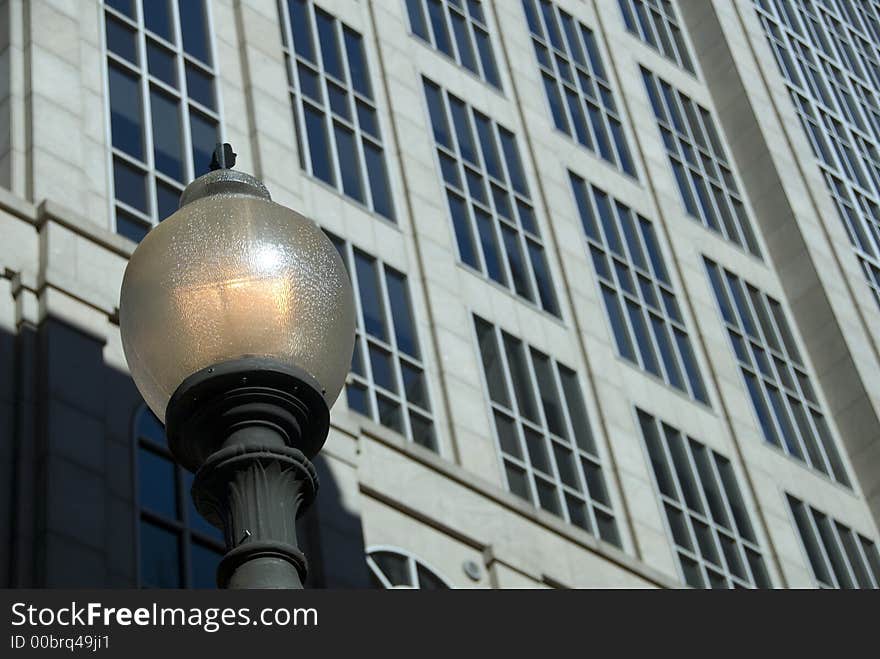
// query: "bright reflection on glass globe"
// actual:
[[233, 274]]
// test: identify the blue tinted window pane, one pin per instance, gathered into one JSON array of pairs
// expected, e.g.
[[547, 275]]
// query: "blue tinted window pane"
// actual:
[[194, 27], [195, 521], [348, 163], [601, 133], [584, 207], [401, 312], [463, 132], [319, 146], [527, 217], [654, 250], [434, 100], [438, 23], [156, 484], [200, 86], [167, 141], [461, 224], [121, 39], [690, 365], [642, 338], [161, 63], [203, 565], [130, 185], [532, 17], [371, 300], [761, 408], [357, 62], [487, 142], [514, 165], [622, 150], [358, 399], [593, 52], [157, 18], [126, 125], [309, 82], [382, 368], [160, 557], [489, 242], [204, 138], [618, 324], [129, 226], [149, 427], [555, 104], [301, 27], [338, 101], [667, 353], [167, 200], [577, 118], [417, 19], [367, 119], [542, 277], [378, 180], [487, 58], [463, 41], [329, 44], [493, 367], [519, 376], [414, 385], [552, 27]]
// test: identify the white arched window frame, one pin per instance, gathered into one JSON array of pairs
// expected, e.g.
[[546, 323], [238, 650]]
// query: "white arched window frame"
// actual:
[[393, 567]]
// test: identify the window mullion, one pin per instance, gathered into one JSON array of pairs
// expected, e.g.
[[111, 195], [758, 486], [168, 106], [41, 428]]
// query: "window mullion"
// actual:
[[147, 117]]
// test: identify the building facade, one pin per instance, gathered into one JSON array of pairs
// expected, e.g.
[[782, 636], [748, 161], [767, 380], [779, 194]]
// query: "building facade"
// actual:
[[616, 266]]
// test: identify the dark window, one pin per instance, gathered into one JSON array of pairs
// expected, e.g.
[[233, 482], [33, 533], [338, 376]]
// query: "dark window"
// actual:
[[543, 433], [178, 547], [707, 519], [152, 166]]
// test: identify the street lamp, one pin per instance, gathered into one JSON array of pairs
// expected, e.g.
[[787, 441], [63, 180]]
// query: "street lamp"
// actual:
[[237, 322]]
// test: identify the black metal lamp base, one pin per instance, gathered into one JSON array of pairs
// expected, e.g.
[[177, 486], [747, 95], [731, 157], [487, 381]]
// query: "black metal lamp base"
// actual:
[[248, 429]]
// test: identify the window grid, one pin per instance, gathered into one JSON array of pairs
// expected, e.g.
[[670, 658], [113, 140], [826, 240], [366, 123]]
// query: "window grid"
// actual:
[[548, 453], [335, 116], [838, 556], [656, 23], [493, 218], [700, 165], [395, 568], [197, 546], [438, 21], [387, 381], [704, 509], [154, 154], [632, 275], [829, 57], [572, 69], [778, 383]]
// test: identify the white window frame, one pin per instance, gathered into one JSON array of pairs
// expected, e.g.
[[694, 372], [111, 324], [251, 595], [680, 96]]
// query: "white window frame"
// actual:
[[548, 438], [145, 80], [523, 235], [359, 135], [846, 143], [646, 310], [413, 563], [796, 366], [605, 103], [706, 517]]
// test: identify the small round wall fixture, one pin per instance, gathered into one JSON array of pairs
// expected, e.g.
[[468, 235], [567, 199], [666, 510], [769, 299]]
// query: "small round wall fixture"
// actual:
[[237, 322]]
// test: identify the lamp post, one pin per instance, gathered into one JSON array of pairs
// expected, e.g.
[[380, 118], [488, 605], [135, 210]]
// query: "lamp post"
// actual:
[[237, 322]]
